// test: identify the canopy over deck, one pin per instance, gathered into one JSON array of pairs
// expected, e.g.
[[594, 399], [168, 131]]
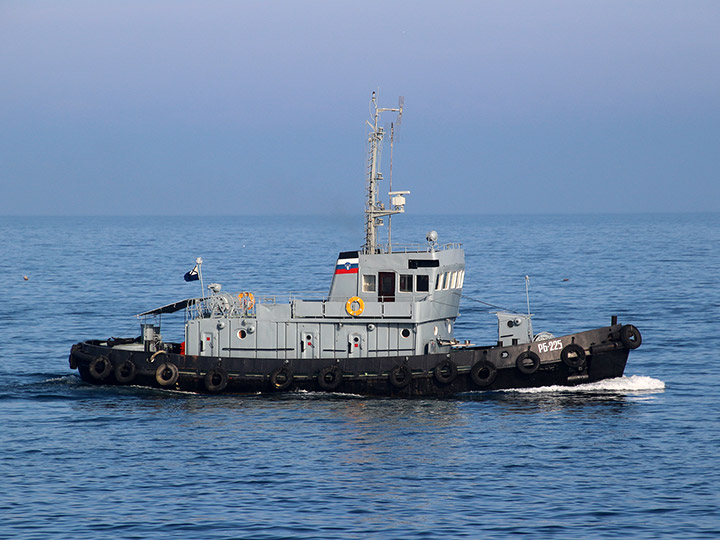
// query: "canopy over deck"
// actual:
[[170, 308]]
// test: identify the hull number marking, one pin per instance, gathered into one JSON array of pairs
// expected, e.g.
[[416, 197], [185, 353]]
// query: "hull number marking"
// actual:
[[548, 346]]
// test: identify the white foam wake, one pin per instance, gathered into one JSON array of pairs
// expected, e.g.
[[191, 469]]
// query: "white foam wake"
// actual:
[[624, 385], [65, 379]]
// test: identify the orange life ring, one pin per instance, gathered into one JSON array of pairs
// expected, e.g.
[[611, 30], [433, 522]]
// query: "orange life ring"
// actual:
[[349, 306], [247, 300]]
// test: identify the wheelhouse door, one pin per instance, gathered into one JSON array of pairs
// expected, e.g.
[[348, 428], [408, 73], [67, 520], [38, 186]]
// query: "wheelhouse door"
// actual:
[[386, 289]]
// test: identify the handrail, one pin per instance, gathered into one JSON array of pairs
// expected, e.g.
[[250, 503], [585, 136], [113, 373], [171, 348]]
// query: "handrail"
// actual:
[[416, 248], [222, 305]]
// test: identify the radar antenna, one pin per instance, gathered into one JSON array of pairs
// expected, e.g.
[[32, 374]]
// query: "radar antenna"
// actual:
[[375, 209]]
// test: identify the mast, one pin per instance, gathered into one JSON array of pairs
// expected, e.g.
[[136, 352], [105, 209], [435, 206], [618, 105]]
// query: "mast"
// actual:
[[374, 209]]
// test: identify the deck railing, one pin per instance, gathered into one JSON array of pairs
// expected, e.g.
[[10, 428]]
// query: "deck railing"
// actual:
[[417, 248]]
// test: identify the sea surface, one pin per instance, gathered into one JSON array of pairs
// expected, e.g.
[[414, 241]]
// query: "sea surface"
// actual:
[[635, 457]]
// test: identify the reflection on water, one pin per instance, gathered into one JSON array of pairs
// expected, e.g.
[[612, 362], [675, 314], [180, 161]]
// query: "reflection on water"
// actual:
[[439, 411]]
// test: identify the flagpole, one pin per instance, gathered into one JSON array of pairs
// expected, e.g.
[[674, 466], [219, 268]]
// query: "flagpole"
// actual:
[[198, 261]]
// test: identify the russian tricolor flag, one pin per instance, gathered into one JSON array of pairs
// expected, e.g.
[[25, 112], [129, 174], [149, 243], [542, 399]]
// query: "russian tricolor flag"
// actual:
[[347, 266]]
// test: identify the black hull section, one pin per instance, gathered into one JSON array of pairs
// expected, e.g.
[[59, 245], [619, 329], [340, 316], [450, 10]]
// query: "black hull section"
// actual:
[[568, 360]]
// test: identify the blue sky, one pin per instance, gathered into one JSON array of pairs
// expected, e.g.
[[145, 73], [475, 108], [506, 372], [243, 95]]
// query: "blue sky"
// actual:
[[258, 107]]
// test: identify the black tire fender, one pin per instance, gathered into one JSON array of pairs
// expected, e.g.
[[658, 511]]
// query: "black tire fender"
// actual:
[[281, 378], [400, 376], [125, 372], [72, 360], [445, 372], [167, 374], [483, 373], [630, 336], [527, 362], [216, 380], [100, 367], [329, 378], [573, 355]]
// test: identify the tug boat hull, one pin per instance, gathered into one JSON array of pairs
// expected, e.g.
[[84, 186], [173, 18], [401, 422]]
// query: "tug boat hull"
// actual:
[[569, 360]]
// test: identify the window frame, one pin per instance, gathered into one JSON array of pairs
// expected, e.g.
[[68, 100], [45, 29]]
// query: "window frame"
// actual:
[[406, 277], [369, 283]]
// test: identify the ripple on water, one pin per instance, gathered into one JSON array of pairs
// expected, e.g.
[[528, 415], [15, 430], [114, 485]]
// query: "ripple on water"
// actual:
[[634, 457]]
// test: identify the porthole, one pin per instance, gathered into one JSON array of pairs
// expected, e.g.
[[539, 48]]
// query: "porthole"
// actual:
[[405, 333], [435, 331], [241, 334]]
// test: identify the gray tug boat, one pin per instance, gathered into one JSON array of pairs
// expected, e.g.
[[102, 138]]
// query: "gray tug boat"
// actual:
[[386, 328]]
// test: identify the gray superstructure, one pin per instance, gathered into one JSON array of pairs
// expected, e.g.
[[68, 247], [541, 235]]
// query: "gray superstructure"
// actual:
[[387, 304], [383, 300]]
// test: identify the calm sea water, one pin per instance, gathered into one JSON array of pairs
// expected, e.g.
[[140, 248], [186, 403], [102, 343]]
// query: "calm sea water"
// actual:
[[636, 457]]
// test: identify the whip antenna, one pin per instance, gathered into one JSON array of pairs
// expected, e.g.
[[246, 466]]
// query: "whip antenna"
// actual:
[[392, 140], [527, 293], [401, 102]]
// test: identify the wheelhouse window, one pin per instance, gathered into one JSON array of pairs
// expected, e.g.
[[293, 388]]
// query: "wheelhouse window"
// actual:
[[368, 283], [461, 279], [386, 286], [439, 282], [422, 283], [453, 280], [447, 280], [406, 283]]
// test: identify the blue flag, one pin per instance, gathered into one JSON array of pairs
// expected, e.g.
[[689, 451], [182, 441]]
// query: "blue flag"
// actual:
[[192, 275]]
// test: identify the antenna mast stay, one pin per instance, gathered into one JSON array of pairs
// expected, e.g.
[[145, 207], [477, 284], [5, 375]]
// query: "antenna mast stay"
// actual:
[[374, 209]]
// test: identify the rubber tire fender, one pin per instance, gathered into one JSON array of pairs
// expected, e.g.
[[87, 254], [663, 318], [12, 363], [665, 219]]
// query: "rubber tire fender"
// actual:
[[335, 378], [630, 336], [216, 380], [445, 372], [573, 361], [527, 355], [400, 376], [125, 372], [105, 364], [72, 361], [167, 374], [276, 380], [480, 367]]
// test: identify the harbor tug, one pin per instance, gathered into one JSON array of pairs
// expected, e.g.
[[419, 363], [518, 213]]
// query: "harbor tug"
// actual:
[[386, 328]]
